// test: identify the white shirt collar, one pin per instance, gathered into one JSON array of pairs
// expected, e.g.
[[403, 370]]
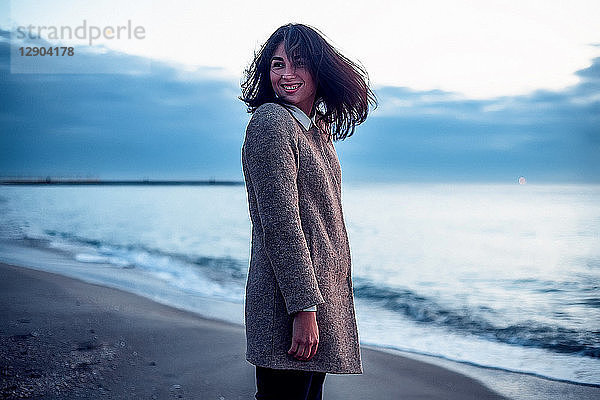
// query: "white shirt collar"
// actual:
[[300, 116]]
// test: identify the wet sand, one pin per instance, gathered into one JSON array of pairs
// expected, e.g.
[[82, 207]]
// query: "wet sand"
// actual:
[[61, 338]]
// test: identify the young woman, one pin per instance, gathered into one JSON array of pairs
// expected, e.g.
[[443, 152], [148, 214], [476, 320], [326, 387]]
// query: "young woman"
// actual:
[[299, 307]]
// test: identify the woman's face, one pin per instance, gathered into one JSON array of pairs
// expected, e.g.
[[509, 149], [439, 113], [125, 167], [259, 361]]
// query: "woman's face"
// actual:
[[294, 85]]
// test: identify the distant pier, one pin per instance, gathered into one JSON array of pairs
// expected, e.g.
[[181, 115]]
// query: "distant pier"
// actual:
[[117, 182]]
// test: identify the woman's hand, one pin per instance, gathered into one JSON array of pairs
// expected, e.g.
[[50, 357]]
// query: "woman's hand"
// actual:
[[305, 335]]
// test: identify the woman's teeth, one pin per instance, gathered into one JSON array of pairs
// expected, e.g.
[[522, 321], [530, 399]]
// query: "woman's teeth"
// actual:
[[291, 87]]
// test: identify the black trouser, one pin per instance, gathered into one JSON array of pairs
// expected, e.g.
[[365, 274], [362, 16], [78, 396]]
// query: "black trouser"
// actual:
[[286, 384]]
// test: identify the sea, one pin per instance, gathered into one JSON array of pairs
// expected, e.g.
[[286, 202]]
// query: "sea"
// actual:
[[504, 276]]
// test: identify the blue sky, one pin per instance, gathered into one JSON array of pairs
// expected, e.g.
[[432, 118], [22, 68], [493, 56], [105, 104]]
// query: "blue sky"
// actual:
[[479, 49], [164, 126], [159, 119]]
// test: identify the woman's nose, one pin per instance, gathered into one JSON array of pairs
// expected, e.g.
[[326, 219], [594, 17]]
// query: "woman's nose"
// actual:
[[290, 72]]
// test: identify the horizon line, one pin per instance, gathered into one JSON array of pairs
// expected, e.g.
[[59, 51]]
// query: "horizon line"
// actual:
[[96, 181]]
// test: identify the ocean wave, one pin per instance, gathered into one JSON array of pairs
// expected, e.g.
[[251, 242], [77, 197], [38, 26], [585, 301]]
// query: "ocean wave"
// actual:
[[228, 274], [226, 267], [210, 276], [424, 310]]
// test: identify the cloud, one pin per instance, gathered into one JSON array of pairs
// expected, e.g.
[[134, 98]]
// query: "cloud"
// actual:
[[170, 123], [548, 135], [126, 125]]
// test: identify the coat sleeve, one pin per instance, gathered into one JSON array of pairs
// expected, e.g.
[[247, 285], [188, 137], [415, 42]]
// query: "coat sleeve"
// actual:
[[270, 155]]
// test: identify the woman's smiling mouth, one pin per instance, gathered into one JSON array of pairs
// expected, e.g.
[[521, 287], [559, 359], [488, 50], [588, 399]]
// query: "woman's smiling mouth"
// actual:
[[291, 87]]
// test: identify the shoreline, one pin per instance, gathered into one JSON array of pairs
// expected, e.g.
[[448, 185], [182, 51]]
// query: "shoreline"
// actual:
[[441, 360], [66, 337], [511, 384]]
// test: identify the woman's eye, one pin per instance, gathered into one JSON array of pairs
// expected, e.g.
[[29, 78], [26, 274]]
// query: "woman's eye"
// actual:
[[277, 65]]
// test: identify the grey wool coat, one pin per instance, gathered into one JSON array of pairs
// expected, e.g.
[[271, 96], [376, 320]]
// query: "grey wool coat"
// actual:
[[300, 255]]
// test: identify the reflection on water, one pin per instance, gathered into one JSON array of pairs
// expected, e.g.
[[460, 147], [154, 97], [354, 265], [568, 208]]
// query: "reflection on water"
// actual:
[[500, 275]]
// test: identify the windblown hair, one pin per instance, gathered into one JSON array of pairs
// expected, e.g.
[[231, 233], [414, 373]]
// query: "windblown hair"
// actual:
[[343, 94]]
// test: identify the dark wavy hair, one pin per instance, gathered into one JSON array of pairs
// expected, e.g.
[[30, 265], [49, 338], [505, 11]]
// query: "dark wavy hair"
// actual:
[[343, 94]]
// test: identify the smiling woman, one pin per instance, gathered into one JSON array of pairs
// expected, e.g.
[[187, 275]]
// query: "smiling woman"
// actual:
[[299, 308], [342, 95]]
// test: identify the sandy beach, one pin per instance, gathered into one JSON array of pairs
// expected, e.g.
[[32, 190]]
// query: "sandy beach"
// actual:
[[62, 338]]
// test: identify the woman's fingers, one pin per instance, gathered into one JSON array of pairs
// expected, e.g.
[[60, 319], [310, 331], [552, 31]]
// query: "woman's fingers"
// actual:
[[304, 351], [293, 348], [308, 351], [313, 350], [299, 350]]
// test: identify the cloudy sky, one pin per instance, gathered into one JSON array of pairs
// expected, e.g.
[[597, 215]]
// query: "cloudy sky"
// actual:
[[468, 90]]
